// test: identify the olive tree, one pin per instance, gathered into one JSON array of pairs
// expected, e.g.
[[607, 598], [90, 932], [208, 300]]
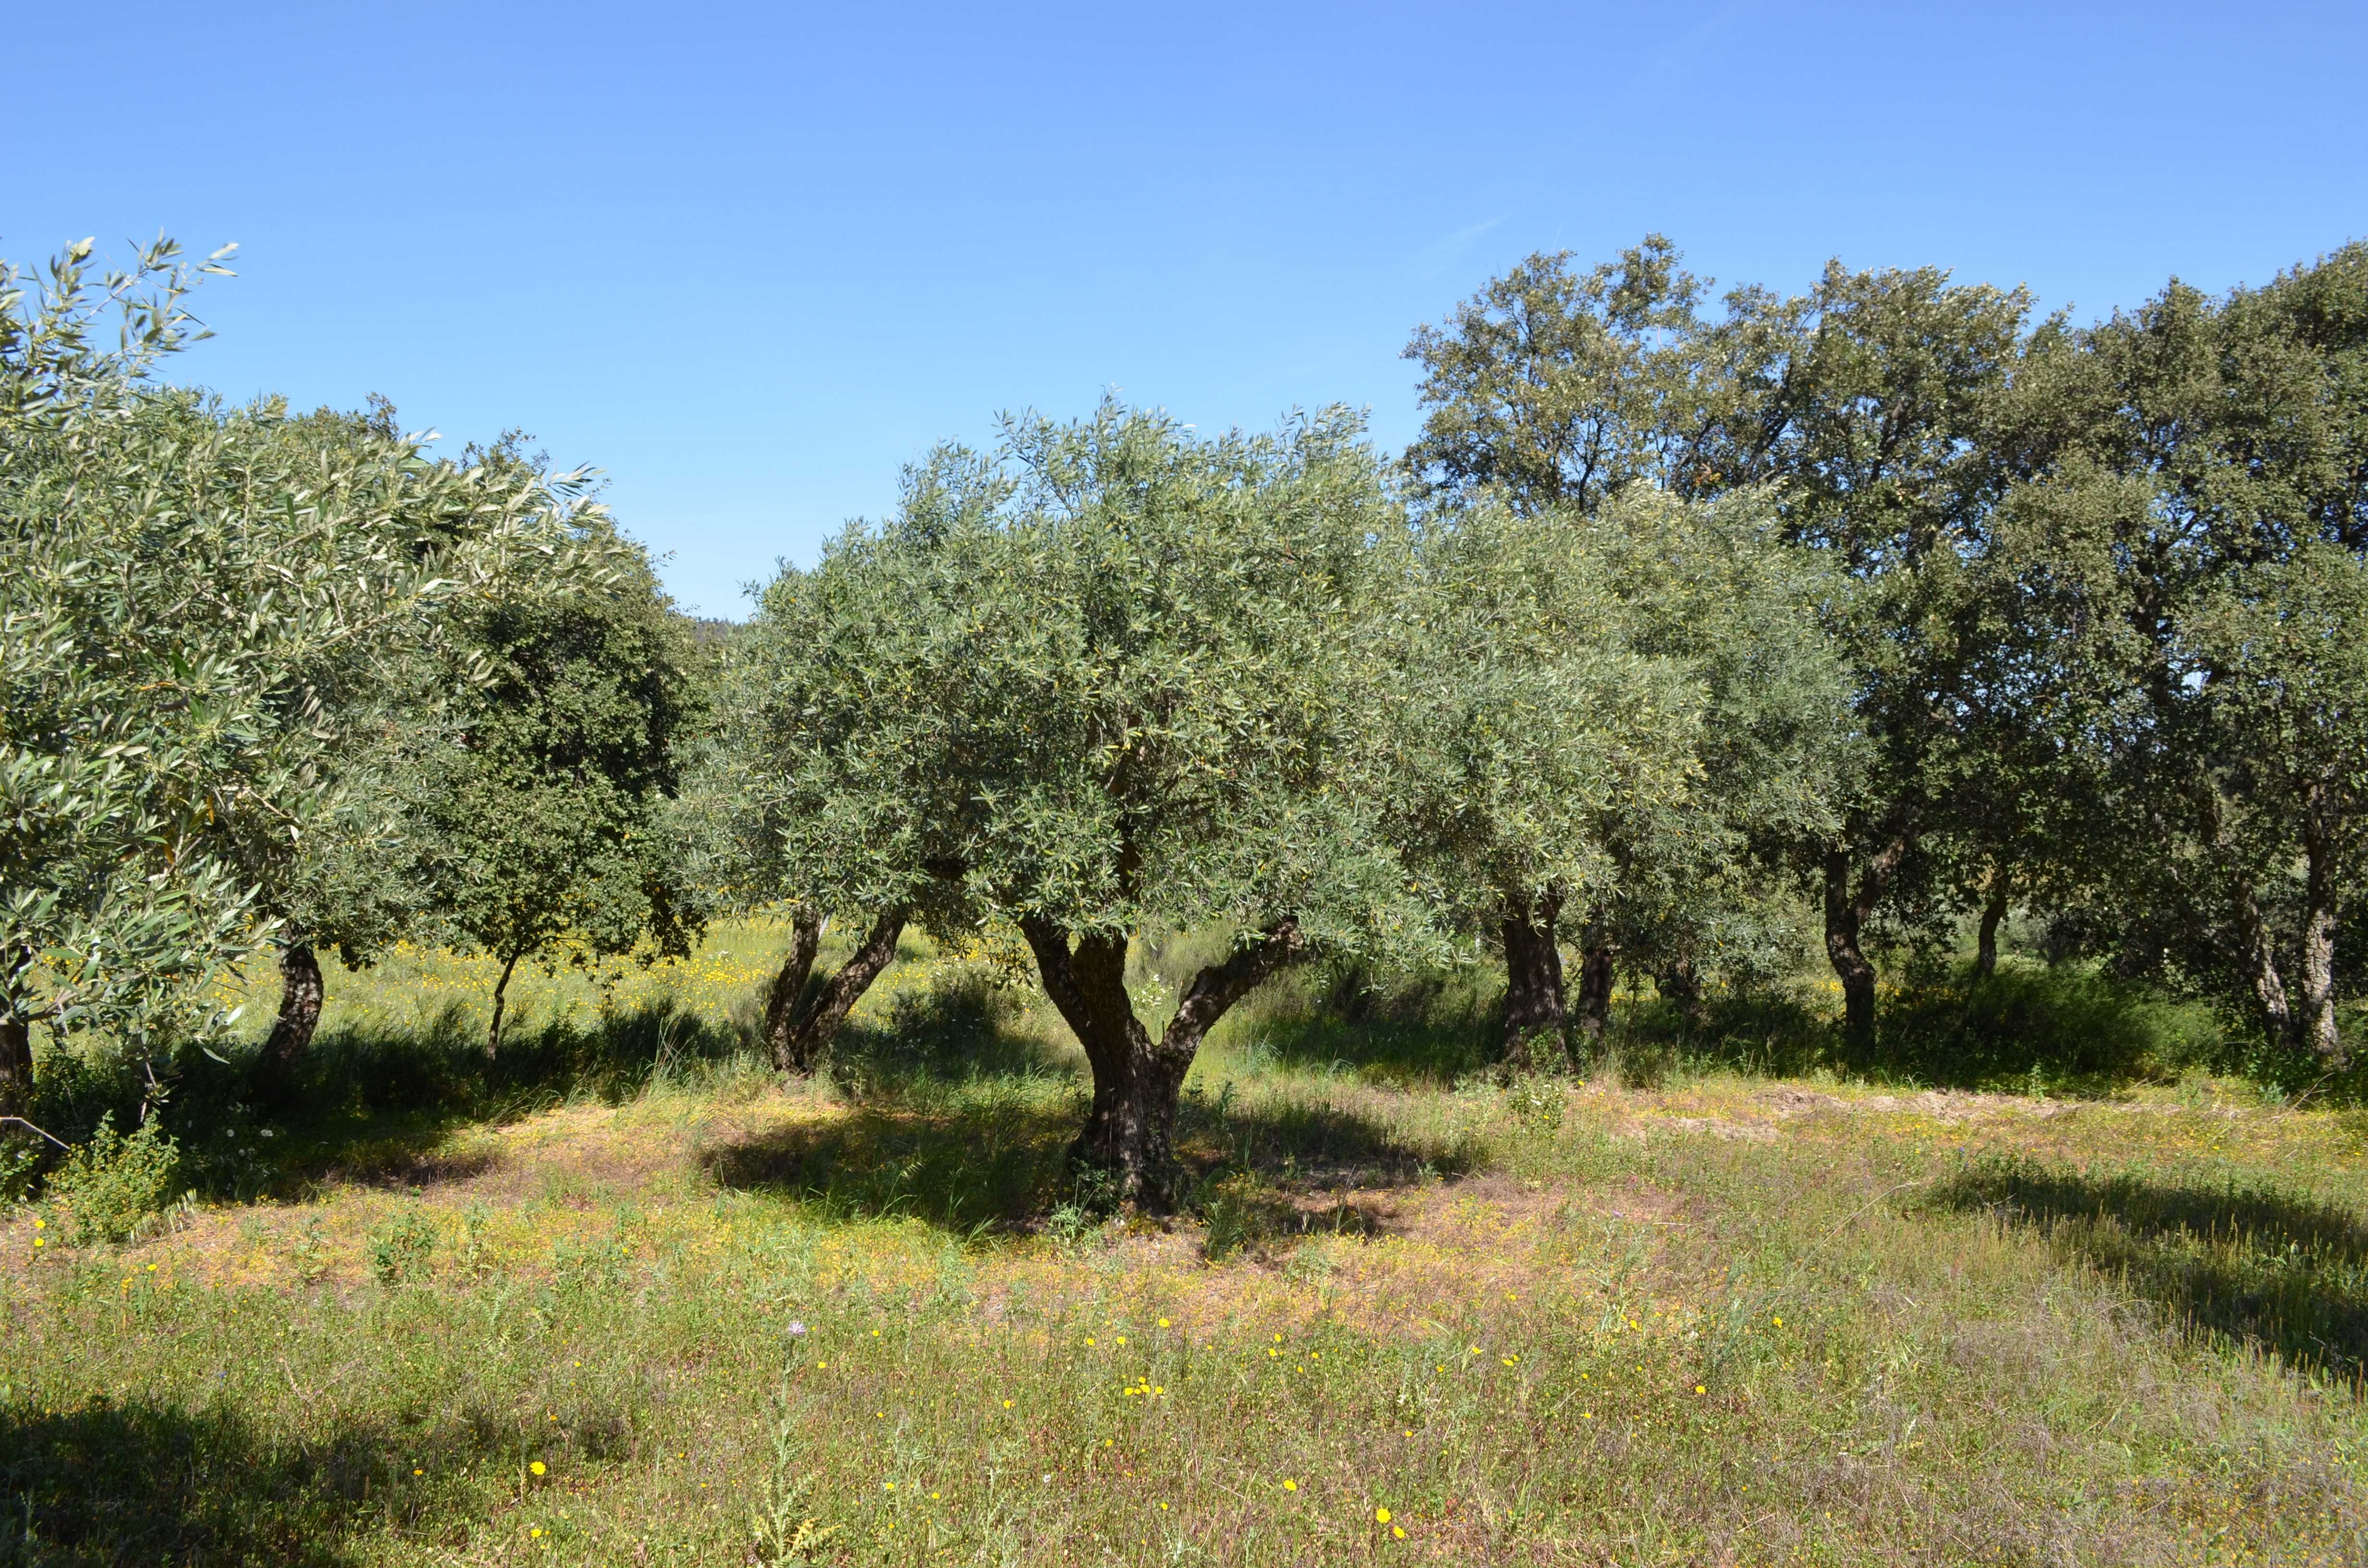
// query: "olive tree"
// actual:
[[843, 773], [190, 596], [1869, 405], [1700, 877], [1521, 722], [1138, 668]]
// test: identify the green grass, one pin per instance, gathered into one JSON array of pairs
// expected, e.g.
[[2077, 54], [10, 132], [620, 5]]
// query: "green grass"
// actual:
[[1727, 1318]]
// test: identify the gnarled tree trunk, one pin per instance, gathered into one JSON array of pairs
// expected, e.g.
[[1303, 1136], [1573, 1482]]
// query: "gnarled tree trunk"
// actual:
[[801, 1019], [1993, 912], [1130, 1133], [790, 985], [1594, 979], [1848, 909], [299, 1009], [501, 1002], [1534, 983], [15, 1065]]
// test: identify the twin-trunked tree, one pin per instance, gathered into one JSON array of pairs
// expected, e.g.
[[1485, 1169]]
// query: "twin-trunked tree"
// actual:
[[1114, 679]]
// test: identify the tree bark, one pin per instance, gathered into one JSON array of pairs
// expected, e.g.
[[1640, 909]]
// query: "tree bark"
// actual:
[[790, 984], [2260, 958], [1848, 909], [813, 1023], [15, 1037], [1681, 986], [2314, 1022], [1842, 950], [299, 1009], [1130, 1132], [501, 996], [1993, 912], [1595, 978], [1533, 981], [16, 1064]]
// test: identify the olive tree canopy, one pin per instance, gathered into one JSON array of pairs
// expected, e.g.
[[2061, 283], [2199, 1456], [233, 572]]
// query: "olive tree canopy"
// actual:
[[1114, 679]]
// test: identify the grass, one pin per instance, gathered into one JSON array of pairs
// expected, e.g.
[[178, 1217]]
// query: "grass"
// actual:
[[623, 1299]]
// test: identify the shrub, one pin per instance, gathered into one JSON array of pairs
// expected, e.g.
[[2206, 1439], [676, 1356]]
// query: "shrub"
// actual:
[[111, 1183], [399, 1249], [2061, 1025]]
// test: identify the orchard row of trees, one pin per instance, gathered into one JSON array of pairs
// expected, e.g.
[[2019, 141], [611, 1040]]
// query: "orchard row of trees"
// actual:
[[1891, 606], [291, 680]]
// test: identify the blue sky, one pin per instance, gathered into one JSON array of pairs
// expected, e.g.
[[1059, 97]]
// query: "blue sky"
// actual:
[[749, 260]]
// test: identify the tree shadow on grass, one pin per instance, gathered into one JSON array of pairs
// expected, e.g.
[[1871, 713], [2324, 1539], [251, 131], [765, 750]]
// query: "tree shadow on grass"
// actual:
[[996, 1160], [1424, 1030], [373, 1104], [2288, 1275], [139, 1482]]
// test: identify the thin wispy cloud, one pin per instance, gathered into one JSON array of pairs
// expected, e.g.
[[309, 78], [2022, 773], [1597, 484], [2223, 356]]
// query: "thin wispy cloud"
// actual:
[[1446, 251]]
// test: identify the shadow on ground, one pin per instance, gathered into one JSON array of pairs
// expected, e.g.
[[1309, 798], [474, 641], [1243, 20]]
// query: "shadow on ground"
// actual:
[[373, 1104], [146, 1482], [996, 1161], [2285, 1275]]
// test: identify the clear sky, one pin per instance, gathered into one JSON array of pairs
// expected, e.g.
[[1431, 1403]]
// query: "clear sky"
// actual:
[[749, 260]]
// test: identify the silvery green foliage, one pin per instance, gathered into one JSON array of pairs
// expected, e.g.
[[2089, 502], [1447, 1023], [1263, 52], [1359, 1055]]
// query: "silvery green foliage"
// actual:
[[1113, 675], [1711, 589], [195, 602], [1524, 721], [1623, 717]]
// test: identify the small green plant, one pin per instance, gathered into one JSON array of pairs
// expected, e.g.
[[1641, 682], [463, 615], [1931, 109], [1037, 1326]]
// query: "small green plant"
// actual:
[[20, 1164], [1537, 1101], [110, 1185], [399, 1250], [1641, 1064], [1069, 1225], [475, 1256], [785, 1529], [310, 1252], [596, 1264]]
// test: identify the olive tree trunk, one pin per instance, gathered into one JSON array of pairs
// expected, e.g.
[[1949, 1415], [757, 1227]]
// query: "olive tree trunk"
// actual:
[[1848, 906], [501, 1001], [15, 1035], [16, 1064], [1534, 983], [1681, 987], [1596, 973], [1130, 1132], [1993, 913], [801, 1017], [299, 1009]]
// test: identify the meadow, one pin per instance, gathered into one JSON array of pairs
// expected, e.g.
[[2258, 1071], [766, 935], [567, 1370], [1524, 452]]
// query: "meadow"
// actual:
[[623, 1297]]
